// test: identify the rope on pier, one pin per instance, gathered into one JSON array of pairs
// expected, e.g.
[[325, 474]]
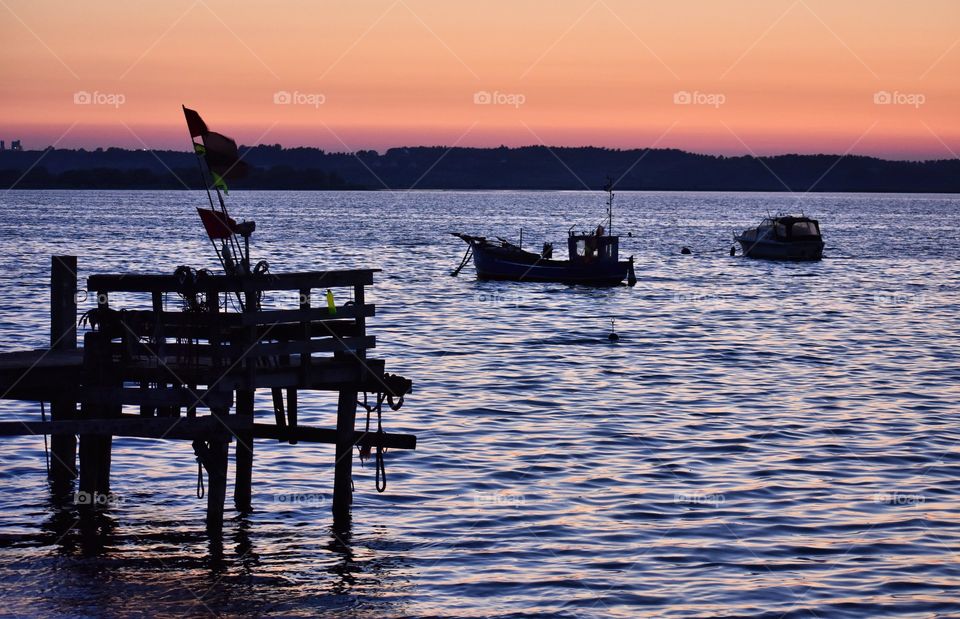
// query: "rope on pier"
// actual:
[[381, 475], [395, 387], [200, 489]]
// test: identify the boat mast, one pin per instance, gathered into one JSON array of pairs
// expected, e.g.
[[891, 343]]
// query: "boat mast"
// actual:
[[609, 189]]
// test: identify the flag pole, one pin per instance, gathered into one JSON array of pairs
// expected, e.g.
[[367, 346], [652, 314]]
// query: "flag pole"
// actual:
[[206, 186]]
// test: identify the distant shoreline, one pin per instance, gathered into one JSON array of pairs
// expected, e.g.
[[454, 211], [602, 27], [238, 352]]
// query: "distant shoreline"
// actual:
[[535, 168]]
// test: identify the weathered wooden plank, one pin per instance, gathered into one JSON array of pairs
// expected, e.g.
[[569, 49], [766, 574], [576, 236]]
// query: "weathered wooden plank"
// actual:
[[200, 428], [325, 374], [39, 358], [306, 434], [314, 346], [227, 283], [183, 428], [317, 314], [163, 397], [241, 351]]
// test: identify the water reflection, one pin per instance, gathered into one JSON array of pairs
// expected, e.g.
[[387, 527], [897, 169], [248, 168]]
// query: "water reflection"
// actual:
[[758, 438]]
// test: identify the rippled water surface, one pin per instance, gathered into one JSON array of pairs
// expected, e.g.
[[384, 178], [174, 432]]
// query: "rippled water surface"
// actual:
[[765, 439]]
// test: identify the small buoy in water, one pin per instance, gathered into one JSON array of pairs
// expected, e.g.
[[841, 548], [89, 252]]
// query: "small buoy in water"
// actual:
[[613, 337], [686, 251], [733, 250]]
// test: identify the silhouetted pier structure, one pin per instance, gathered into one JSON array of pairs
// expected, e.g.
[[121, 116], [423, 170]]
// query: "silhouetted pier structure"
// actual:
[[174, 365]]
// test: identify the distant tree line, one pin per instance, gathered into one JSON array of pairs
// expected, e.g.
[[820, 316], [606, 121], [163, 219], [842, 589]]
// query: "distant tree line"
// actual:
[[532, 167]]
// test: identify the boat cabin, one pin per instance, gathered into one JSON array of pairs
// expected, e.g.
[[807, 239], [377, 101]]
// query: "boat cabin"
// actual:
[[596, 247], [792, 228]]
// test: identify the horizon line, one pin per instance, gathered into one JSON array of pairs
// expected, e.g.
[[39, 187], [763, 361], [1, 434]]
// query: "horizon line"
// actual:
[[502, 146]]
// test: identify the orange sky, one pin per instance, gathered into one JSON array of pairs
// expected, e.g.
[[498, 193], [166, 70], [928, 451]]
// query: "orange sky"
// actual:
[[763, 76]]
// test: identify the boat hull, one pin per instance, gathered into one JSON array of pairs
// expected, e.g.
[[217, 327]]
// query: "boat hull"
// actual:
[[494, 265], [777, 250]]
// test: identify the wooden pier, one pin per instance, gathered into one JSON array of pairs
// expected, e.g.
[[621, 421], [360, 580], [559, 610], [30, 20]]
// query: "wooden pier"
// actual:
[[182, 371]]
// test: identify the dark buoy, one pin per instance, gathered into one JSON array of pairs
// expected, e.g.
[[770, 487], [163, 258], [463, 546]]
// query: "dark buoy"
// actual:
[[686, 251], [613, 337], [733, 250]]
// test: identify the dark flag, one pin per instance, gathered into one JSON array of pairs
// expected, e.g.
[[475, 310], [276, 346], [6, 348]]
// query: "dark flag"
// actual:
[[217, 225], [194, 123], [222, 155], [219, 151]]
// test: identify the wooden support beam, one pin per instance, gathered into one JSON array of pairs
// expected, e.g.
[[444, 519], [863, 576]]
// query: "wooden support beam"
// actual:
[[129, 282], [206, 428], [343, 465], [320, 314], [63, 336], [243, 484], [306, 434]]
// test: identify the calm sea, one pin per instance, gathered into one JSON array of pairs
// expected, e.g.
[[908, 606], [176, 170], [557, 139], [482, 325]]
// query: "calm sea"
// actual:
[[765, 439]]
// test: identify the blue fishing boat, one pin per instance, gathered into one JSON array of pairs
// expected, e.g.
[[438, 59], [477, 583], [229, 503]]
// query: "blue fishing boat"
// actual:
[[594, 258]]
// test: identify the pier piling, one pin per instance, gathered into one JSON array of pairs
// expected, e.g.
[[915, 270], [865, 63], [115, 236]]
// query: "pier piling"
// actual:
[[243, 485], [343, 467], [63, 336]]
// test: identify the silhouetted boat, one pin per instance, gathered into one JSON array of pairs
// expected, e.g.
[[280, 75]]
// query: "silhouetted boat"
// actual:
[[594, 258], [785, 237]]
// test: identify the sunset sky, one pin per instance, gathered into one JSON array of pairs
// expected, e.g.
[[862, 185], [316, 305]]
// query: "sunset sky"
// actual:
[[717, 76]]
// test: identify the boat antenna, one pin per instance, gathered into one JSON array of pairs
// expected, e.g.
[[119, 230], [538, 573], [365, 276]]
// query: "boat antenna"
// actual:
[[609, 189]]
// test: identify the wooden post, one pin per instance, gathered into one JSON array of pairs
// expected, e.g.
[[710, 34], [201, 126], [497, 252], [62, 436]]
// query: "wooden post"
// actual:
[[214, 460], [63, 336], [217, 488], [359, 300], [95, 448], [305, 359], [243, 485], [292, 412], [156, 299], [343, 467]]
